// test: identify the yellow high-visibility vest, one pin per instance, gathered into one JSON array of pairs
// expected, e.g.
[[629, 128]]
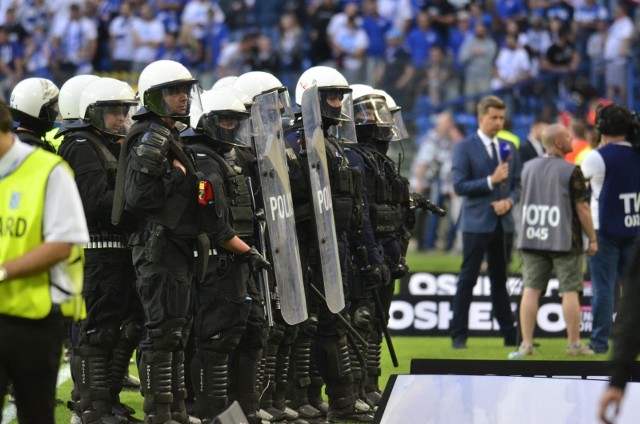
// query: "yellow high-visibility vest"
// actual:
[[22, 201]]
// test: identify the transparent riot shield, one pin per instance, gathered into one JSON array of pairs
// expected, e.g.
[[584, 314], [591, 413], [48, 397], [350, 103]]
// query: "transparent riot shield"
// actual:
[[321, 200], [278, 207]]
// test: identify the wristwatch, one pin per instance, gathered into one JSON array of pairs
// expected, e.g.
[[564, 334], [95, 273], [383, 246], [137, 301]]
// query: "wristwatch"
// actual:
[[3, 273]]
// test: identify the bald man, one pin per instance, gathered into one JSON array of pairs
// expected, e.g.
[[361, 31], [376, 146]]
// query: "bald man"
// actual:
[[555, 212]]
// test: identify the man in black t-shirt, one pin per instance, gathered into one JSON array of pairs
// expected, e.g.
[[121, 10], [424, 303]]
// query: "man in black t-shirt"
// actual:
[[561, 60]]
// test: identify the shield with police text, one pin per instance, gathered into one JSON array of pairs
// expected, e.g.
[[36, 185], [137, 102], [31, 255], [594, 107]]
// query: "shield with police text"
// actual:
[[321, 200], [278, 206]]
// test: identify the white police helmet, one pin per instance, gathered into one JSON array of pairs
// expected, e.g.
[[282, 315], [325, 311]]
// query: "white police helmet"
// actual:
[[108, 104], [224, 117], [166, 78], [70, 95], [35, 101], [255, 83], [225, 82]]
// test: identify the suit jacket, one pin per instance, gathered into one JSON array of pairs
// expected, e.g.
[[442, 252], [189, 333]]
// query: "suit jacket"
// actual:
[[471, 167], [527, 151]]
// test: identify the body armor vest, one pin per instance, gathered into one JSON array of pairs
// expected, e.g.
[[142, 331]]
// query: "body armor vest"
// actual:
[[387, 191], [298, 179], [181, 213], [241, 214], [346, 183], [33, 140], [108, 161]]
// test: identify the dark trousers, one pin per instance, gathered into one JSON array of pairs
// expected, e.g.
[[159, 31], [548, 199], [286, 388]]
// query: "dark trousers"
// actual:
[[110, 292], [29, 358], [497, 247]]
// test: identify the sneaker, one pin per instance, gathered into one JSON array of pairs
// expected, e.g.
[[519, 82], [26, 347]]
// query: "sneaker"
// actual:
[[75, 418], [578, 349], [525, 350], [130, 382]]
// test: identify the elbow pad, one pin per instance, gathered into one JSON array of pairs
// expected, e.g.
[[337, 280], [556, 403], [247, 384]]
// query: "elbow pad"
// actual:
[[151, 152]]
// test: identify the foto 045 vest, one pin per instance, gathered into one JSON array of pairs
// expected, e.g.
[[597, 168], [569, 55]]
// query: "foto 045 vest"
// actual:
[[22, 201], [547, 211]]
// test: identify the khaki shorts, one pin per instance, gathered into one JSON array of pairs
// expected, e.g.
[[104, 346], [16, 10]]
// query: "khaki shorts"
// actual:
[[537, 268]]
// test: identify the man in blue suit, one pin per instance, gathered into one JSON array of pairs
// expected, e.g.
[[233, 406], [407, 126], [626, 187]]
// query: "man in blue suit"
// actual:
[[486, 171]]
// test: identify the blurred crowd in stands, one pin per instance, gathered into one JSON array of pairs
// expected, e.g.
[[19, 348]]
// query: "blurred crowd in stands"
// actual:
[[438, 48], [427, 54]]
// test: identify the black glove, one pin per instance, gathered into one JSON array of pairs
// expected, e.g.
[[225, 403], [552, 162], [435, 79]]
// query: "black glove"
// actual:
[[376, 276], [151, 152], [255, 260], [399, 271]]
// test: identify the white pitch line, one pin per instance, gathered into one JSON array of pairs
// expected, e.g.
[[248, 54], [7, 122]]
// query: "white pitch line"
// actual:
[[9, 413]]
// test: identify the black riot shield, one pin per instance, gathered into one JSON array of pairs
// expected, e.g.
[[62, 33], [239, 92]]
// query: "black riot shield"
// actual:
[[321, 200], [276, 194]]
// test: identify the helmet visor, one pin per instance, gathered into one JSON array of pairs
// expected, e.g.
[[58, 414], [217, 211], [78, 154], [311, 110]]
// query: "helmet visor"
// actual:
[[228, 127], [372, 110], [112, 117], [285, 104], [340, 114], [399, 129], [50, 112], [174, 100]]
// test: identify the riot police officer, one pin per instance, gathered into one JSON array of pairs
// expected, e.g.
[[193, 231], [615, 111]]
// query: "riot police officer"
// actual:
[[392, 209], [113, 325], [371, 273], [34, 105], [331, 347], [68, 99], [222, 308], [278, 347], [158, 183]]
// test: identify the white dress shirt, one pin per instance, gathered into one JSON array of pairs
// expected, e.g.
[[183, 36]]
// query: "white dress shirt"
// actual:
[[487, 141]]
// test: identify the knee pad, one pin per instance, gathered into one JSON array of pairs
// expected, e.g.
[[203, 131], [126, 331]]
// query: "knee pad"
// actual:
[[362, 318], [105, 337], [310, 326], [276, 333], [255, 338], [224, 342], [131, 332], [290, 334], [169, 336]]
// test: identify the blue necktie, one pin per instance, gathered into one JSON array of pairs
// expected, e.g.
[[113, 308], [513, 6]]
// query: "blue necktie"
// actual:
[[494, 154]]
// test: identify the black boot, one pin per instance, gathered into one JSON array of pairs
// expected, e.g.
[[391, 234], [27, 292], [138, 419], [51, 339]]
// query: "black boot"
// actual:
[[90, 368], [299, 374], [155, 377], [119, 369], [209, 373], [374, 353], [179, 389], [246, 364]]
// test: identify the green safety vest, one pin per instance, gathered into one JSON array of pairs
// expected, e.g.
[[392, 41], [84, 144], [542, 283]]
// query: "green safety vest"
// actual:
[[22, 197]]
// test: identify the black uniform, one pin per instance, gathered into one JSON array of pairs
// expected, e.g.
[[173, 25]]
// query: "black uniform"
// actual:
[[299, 371], [391, 220], [368, 270], [170, 225], [34, 139], [222, 303], [330, 351], [112, 328]]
